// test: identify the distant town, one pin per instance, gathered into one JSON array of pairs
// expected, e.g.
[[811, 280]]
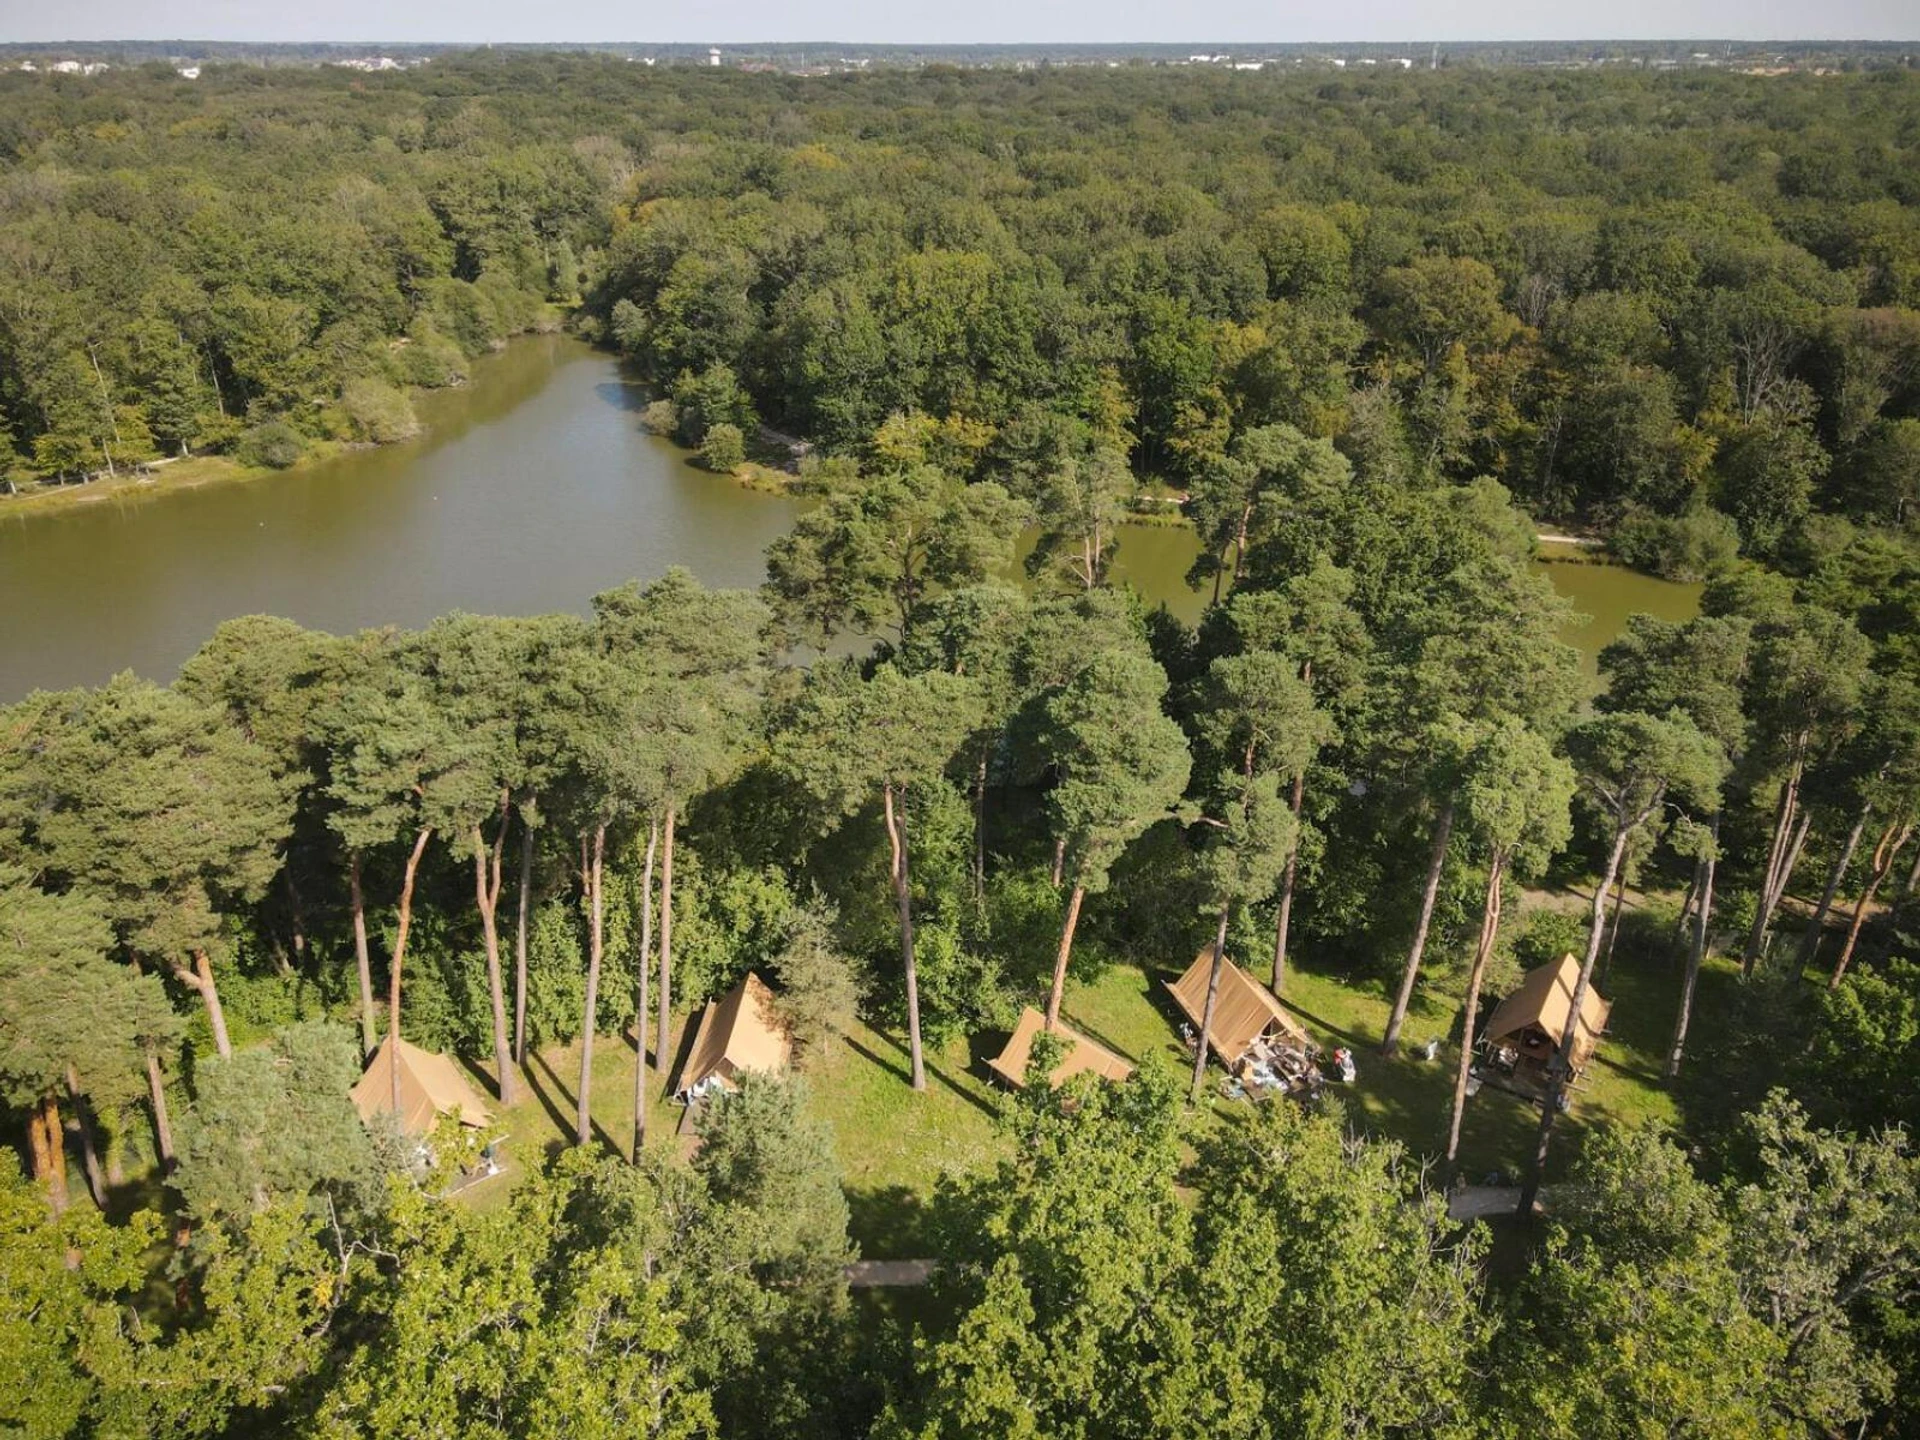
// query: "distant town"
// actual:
[[830, 58]]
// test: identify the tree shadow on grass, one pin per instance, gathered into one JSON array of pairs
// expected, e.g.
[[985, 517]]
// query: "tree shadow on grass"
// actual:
[[888, 1222], [935, 1071], [566, 1121], [1327, 1027]]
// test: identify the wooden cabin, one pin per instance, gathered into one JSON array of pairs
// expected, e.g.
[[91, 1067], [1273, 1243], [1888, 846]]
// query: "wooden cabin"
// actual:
[[1082, 1055], [1525, 1029]]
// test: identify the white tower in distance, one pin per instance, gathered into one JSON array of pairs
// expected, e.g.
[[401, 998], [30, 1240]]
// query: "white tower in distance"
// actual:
[[713, 55]]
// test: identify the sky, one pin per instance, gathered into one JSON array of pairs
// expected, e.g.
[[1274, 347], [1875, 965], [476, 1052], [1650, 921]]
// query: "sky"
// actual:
[[945, 22]]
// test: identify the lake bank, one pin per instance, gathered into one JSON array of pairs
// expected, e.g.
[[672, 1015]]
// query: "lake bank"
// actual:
[[531, 488]]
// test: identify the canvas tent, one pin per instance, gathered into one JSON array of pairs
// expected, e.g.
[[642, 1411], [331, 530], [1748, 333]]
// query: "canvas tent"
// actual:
[[738, 1032], [430, 1086], [1530, 1021], [1244, 1012], [1082, 1054]]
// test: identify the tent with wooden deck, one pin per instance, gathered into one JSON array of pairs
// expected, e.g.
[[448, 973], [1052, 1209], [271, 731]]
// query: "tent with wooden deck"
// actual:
[[1530, 1022], [430, 1086], [1245, 1014], [738, 1033], [1082, 1055]]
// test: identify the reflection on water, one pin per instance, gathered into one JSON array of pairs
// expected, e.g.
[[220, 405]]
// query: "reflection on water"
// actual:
[[1605, 595], [533, 488]]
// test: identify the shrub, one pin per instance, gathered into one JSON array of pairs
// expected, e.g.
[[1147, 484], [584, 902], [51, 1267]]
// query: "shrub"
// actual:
[[378, 412], [724, 449], [273, 444], [662, 417], [1677, 547]]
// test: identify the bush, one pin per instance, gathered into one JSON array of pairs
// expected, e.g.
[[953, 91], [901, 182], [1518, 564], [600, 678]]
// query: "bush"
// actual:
[[1677, 547], [273, 444], [378, 412], [724, 449], [713, 397], [662, 417]]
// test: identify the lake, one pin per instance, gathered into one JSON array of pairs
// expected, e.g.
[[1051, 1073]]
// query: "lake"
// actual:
[[533, 488]]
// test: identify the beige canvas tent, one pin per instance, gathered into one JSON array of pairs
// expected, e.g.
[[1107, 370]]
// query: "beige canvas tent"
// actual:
[[738, 1032], [1244, 1012], [1531, 1020], [1082, 1054], [430, 1086]]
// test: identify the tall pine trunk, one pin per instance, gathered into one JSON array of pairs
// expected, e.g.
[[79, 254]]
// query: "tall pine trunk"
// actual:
[[1696, 957], [1782, 853], [1436, 864], [643, 996], [1059, 989], [362, 961], [903, 901], [399, 960], [89, 1144], [162, 1123], [662, 1051], [980, 825], [1489, 931], [486, 895], [1284, 917], [47, 1147], [210, 996], [1204, 1040], [1892, 840], [1810, 937], [1613, 925], [592, 873], [520, 943], [1563, 1061]]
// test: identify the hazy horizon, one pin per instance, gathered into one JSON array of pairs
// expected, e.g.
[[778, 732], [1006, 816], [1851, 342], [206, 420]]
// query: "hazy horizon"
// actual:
[[989, 22]]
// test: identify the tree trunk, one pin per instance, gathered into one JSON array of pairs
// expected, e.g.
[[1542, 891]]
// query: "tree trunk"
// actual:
[[89, 1146], [210, 994], [47, 1142], [296, 912], [1686, 901], [1489, 931], [486, 895], [162, 1124], [1776, 852], [1060, 960], [1436, 863], [1563, 1061], [1613, 925], [1059, 861], [1892, 841], [592, 871], [1203, 1041], [903, 900], [1696, 957], [980, 826], [662, 1051], [520, 945], [400, 956], [643, 997], [1777, 879], [1810, 937], [1285, 916], [360, 955]]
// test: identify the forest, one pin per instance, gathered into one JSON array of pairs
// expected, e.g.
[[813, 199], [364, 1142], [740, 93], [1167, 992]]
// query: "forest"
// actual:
[[1677, 309], [1373, 333]]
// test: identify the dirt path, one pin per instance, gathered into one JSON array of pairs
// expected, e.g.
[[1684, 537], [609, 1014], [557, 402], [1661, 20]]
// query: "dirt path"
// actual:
[[1476, 1202]]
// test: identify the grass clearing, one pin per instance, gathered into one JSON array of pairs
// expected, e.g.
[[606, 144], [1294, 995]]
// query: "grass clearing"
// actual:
[[894, 1145]]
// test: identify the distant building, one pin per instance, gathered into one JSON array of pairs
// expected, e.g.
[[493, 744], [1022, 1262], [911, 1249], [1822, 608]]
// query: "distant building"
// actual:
[[188, 72], [713, 56]]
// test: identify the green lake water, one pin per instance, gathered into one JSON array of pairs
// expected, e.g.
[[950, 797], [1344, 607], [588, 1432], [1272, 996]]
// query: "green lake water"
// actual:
[[533, 488]]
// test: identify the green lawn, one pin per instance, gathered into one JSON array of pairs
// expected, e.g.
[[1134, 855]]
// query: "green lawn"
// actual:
[[894, 1144]]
